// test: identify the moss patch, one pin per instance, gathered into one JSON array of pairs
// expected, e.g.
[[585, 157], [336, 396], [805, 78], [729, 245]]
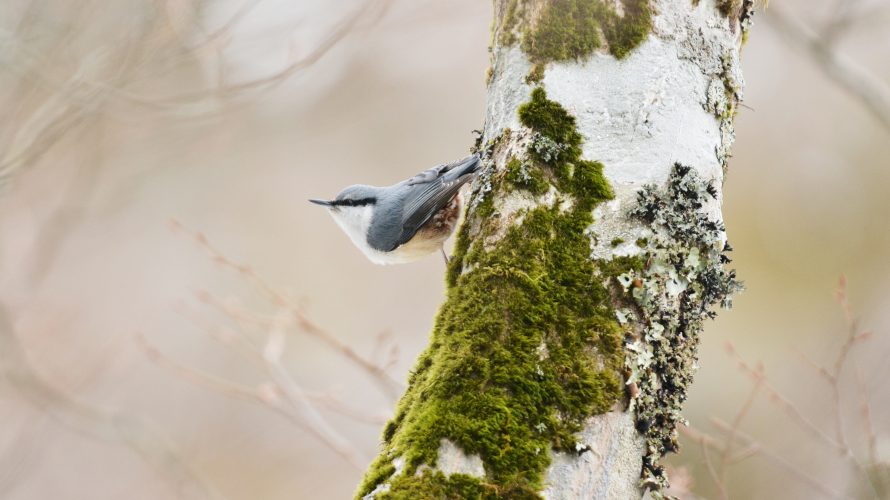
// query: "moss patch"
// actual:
[[573, 29], [512, 14], [730, 8], [436, 485], [526, 346], [523, 176], [738, 10]]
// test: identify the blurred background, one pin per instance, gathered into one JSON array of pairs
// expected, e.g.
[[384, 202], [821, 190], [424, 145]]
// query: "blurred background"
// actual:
[[176, 321]]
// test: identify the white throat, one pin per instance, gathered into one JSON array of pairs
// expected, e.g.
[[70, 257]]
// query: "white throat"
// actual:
[[355, 221]]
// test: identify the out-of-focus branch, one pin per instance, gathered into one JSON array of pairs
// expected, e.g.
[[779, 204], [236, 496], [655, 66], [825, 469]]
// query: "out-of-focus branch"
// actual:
[[858, 81], [20, 456], [867, 470], [378, 372], [281, 392], [49, 101], [89, 420], [371, 10], [707, 441]]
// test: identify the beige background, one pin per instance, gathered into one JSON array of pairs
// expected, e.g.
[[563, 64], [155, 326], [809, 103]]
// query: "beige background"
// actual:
[[807, 199]]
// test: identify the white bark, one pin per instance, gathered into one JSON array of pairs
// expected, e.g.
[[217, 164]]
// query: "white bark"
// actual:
[[611, 469], [638, 116]]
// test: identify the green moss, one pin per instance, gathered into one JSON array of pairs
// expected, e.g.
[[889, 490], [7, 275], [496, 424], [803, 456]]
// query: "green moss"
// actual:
[[626, 33], [536, 74], [550, 120], [438, 486], [511, 19], [621, 265], [557, 144], [730, 8], [376, 475], [487, 384], [617, 241], [570, 29], [524, 176], [485, 208], [435, 485], [526, 346], [456, 262]]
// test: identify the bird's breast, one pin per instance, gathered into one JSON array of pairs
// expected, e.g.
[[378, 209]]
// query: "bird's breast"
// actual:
[[428, 239]]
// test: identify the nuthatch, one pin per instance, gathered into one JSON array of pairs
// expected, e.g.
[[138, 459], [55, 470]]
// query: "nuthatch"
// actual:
[[405, 221]]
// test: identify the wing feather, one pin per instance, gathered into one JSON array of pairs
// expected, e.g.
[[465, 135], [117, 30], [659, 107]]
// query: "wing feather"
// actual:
[[440, 188]]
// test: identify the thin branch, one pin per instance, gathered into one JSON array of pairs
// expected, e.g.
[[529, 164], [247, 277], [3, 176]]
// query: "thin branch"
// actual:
[[378, 373], [89, 420], [715, 476], [784, 403], [871, 91], [785, 464], [282, 395], [727, 457], [866, 412]]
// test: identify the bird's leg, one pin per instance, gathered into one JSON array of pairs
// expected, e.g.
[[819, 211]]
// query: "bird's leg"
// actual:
[[444, 255]]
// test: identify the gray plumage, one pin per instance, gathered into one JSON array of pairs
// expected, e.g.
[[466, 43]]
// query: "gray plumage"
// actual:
[[399, 212]]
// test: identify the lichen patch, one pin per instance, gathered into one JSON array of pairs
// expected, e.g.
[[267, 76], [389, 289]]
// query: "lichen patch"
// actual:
[[685, 276]]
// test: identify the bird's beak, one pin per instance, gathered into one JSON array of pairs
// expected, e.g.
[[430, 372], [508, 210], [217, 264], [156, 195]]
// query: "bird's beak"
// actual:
[[323, 203]]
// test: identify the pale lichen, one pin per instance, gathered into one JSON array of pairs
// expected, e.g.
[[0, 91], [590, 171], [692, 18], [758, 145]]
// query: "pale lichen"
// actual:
[[685, 275]]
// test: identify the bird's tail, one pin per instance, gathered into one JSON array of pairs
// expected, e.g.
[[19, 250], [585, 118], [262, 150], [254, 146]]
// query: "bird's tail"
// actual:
[[465, 167]]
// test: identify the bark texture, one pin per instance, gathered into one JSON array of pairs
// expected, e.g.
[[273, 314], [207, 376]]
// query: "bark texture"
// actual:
[[592, 252]]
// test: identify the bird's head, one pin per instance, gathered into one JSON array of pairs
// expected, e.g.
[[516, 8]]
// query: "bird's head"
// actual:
[[353, 209]]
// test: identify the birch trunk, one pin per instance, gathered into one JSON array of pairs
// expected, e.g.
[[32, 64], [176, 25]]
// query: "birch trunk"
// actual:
[[592, 252]]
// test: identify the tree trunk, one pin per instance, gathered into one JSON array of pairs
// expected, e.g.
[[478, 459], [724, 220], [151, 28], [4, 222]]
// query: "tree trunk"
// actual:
[[592, 252]]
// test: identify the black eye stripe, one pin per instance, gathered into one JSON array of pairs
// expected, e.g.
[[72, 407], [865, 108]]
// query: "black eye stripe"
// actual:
[[354, 203]]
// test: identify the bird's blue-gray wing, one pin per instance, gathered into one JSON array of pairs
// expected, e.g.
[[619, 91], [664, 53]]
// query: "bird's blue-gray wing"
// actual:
[[455, 169], [430, 191]]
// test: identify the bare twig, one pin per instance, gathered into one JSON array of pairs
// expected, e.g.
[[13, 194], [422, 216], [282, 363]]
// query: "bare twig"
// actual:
[[378, 373], [784, 403], [727, 457], [710, 442], [89, 420], [782, 462], [282, 394], [868, 470], [718, 478], [106, 73], [866, 412], [872, 92]]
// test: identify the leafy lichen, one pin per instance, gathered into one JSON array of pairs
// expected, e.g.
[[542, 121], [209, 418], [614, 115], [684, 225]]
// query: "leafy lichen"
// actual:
[[526, 346], [684, 277]]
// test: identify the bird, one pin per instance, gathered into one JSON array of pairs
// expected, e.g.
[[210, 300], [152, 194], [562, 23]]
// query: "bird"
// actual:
[[408, 220]]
